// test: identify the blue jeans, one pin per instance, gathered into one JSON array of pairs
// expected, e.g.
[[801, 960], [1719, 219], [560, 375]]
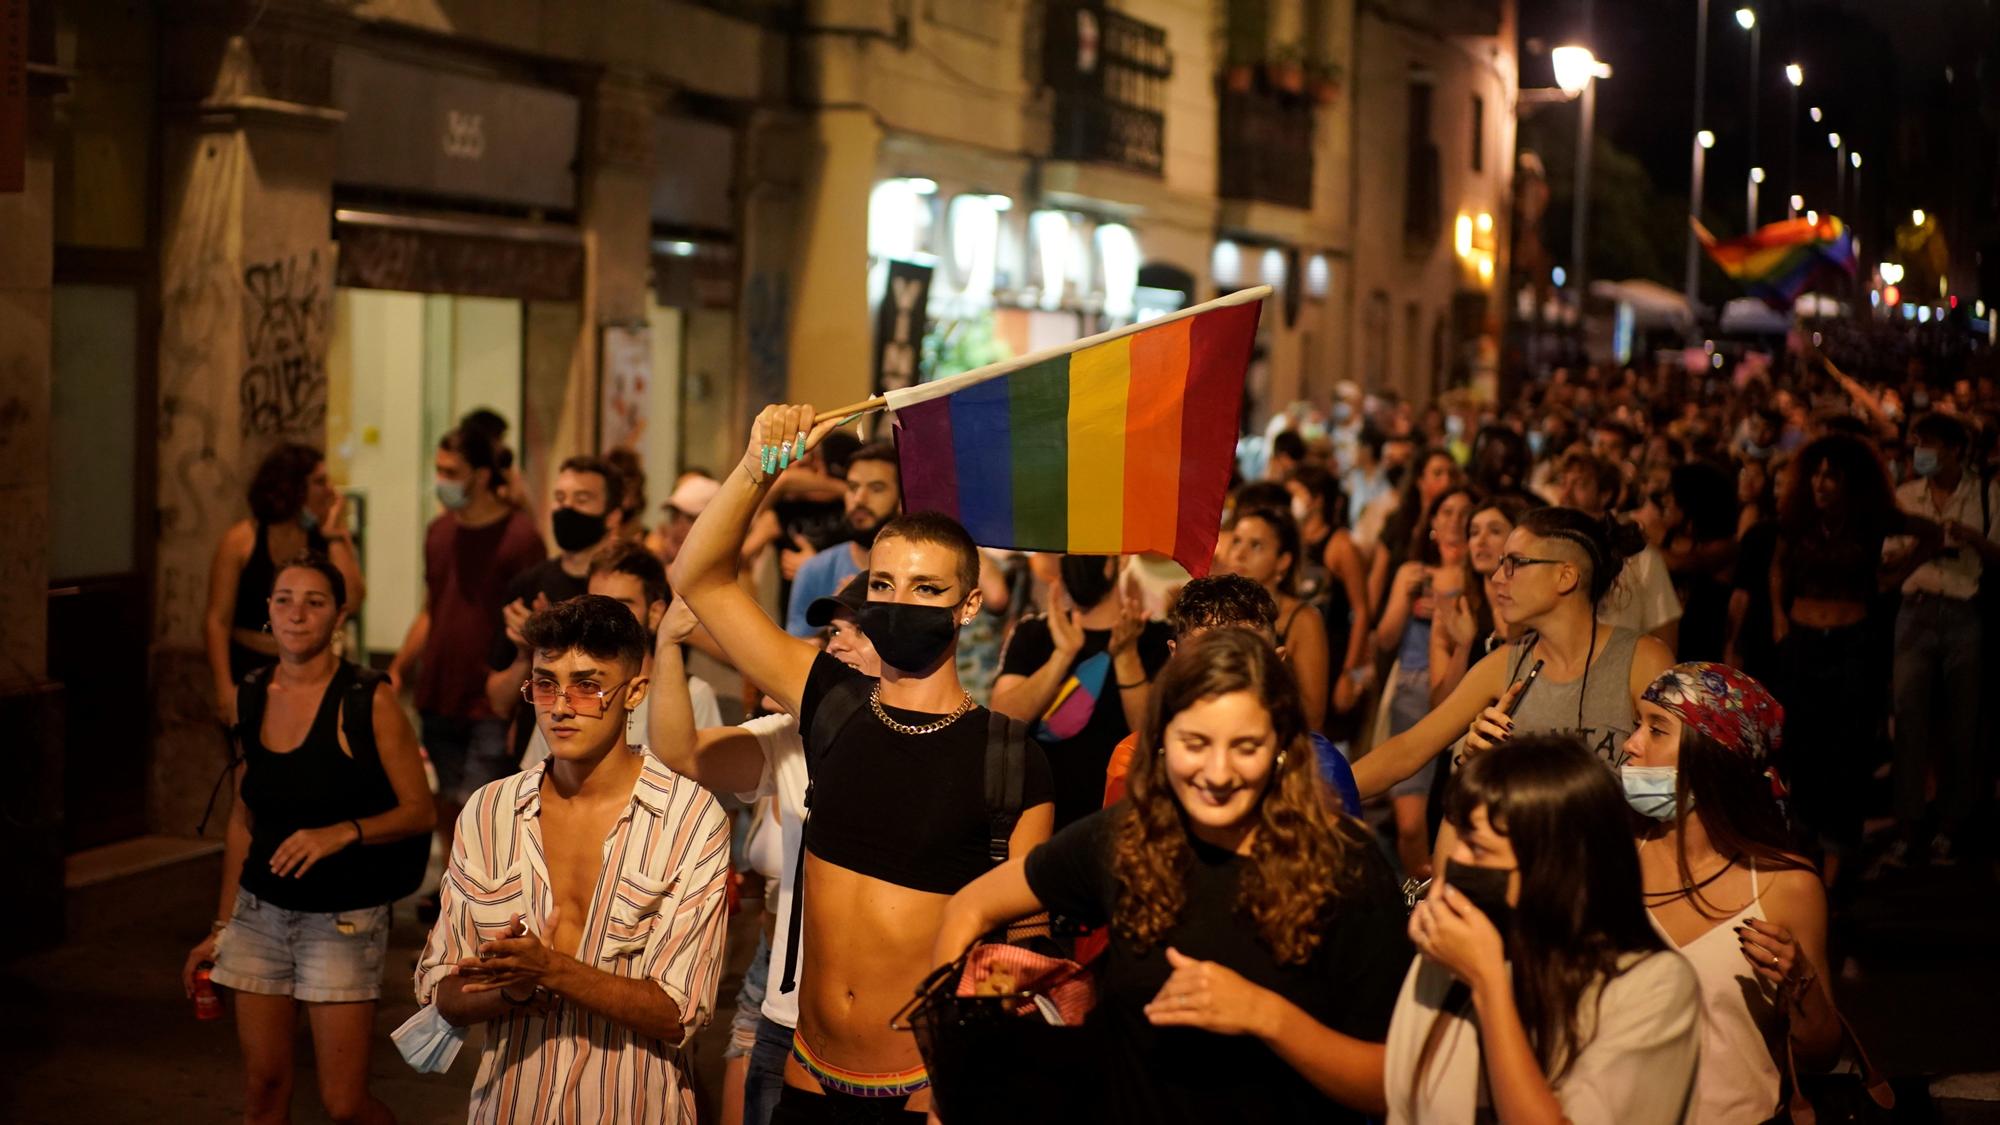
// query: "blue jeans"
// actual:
[[766, 1079], [1938, 646]]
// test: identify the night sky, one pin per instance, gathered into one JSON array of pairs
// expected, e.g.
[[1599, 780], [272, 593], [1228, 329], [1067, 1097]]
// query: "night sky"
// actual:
[[1910, 84]]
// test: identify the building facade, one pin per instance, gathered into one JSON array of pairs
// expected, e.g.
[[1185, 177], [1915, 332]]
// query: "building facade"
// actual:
[[240, 223]]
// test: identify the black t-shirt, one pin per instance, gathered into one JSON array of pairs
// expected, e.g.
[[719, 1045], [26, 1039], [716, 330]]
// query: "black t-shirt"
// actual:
[[1088, 720], [546, 578], [906, 809], [1185, 1075]]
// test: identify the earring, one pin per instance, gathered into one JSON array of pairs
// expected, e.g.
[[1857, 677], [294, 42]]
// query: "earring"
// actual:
[[267, 624], [1281, 760]]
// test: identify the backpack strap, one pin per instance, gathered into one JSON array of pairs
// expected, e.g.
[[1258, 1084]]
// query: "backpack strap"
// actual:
[[357, 712], [248, 727], [1006, 778], [836, 711]]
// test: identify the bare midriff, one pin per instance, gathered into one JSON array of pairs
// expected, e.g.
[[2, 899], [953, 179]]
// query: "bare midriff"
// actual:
[[1827, 613], [867, 946]]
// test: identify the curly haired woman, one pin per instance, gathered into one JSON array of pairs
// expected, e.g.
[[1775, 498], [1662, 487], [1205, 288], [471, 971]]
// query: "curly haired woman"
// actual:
[[1256, 936]]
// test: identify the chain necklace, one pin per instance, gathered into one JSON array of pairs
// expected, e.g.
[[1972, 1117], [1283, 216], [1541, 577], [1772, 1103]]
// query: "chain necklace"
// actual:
[[875, 701]]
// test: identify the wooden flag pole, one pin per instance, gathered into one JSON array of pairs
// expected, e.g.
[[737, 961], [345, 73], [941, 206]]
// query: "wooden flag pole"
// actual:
[[1008, 366]]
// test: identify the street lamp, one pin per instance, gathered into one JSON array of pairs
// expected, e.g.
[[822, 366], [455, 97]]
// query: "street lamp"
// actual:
[[1798, 203], [1576, 72], [1916, 216], [1796, 76], [1756, 178], [1815, 114], [1839, 171], [1703, 141], [1747, 20], [1693, 280]]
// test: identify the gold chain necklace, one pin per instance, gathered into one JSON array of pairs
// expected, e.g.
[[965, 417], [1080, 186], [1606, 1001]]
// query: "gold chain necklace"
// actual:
[[875, 701]]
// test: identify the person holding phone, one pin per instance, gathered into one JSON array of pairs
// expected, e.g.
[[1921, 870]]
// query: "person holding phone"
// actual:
[[1726, 886], [1559, 565], [1542, 992]]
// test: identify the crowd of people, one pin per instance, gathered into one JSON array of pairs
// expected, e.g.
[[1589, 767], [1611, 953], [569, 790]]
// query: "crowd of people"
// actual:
[[1512, 763]]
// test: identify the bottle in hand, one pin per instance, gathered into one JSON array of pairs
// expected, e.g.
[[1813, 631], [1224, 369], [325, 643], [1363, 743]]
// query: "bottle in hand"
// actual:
[[207, 1005]]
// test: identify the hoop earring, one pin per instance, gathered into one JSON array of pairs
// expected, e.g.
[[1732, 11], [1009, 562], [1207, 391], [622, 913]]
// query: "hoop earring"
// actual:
[[1280, 764]]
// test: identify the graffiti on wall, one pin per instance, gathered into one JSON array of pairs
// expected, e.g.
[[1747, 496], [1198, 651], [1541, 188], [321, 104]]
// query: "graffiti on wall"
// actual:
[[765, 328], [287, 312]]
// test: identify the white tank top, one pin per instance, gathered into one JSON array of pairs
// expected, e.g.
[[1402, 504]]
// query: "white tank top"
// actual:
[[764, 851], [1742, 1027]]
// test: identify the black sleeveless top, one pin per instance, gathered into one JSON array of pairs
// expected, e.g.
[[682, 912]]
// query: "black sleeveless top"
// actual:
[[317, 785], [253, 589]]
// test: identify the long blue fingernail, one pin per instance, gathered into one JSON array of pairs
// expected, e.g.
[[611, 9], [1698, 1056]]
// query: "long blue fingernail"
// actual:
[[801, 455], [784, 456], [768, 458]]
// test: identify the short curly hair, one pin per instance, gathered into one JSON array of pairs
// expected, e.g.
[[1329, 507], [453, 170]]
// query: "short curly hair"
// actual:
[[278, 491], [594, 625], [1222, 599]]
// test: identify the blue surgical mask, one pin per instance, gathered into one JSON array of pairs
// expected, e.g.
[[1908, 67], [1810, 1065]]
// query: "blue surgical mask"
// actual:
[[308, 519], [453, 494], [1650, 789], [1537, 441], [1342, 412], [1923, 461]]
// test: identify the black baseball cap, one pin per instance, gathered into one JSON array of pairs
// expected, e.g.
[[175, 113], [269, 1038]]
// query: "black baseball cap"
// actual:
[[851, 598]]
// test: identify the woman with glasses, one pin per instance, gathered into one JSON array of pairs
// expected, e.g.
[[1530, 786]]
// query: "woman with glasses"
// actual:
[[331, 823], [1471, 629], [1587, 676]]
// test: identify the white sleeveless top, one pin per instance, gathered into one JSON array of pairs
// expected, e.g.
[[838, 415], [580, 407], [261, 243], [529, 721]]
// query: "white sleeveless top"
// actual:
[[1742, 1027]]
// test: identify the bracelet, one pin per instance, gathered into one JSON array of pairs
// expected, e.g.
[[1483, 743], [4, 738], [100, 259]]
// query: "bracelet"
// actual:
[[1139, 683], [358, 839], [217, 926]]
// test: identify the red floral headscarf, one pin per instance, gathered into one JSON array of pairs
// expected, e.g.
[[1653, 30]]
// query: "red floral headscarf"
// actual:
[[1724, 704]]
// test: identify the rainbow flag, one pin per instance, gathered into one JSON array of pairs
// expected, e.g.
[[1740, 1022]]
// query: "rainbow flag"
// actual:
[[1117, 444], [1779, 261]]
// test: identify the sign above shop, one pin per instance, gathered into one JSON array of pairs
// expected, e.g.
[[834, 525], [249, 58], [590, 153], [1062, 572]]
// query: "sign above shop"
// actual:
[[418, 128], [899, 325]]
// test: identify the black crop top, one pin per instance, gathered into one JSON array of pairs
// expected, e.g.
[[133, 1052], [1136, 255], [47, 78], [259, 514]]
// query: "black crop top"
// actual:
[[905, 809]]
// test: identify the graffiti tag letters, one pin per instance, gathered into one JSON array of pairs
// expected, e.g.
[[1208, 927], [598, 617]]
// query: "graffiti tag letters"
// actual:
[[287, 310]]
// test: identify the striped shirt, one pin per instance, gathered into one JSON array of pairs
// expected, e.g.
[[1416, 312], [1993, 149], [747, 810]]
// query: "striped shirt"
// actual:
[[657, 911]]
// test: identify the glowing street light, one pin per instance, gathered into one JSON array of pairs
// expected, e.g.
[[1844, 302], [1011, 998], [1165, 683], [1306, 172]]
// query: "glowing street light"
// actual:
[[1798, 203], [1577, 70], [1705, 138], [1854, 158], [1917, 216], [1833, 140], [1815, 114], [1746, 19], [1795, 74], [1575, 67], [1756, 175]]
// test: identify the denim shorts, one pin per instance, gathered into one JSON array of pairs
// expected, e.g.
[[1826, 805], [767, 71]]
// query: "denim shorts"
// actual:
[[467, 753], [315, 958]]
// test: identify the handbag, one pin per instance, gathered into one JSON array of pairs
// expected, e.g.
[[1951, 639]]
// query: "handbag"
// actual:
[[1859, 1097], [1002, 1036]]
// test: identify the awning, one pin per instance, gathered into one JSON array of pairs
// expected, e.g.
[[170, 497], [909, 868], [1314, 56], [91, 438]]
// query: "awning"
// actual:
[[464, 257], [1653, 305]]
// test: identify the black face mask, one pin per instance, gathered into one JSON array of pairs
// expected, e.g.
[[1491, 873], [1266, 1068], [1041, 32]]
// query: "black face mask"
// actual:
[[575, 530], [1485, 888], [909, 638], [863, 537], [1086, 579]]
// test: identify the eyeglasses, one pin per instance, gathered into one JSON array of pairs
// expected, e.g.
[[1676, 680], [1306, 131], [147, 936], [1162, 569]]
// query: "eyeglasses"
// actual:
[[585, 698], [1511, 563]]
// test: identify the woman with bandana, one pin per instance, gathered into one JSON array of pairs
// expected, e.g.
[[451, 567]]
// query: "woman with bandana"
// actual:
[[1541, 992], [1725, 886]]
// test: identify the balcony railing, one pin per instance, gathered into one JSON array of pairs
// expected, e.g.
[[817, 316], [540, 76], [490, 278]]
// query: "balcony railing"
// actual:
[[1109, 73], [1265, 146]]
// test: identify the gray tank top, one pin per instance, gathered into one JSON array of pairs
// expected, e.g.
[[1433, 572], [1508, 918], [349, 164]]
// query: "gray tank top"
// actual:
[[1606, 718]]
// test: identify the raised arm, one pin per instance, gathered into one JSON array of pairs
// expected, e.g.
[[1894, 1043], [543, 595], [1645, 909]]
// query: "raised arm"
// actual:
[[722, 759], [705, 571]]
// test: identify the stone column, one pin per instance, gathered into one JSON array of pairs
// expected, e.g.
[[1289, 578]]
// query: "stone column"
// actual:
[[246, 297], [831, 333], [30, 705]]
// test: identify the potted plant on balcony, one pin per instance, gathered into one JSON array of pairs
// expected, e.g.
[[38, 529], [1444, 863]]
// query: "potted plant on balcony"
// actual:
[[1323, 80], [1287, 68], [1241, 35]]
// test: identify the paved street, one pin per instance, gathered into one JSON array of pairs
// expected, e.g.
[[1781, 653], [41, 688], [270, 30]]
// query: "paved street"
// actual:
[[97, 1031]]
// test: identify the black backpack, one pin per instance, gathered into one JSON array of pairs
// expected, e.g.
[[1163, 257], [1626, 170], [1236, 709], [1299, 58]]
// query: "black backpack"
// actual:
[[1006, 776], [399, 863]]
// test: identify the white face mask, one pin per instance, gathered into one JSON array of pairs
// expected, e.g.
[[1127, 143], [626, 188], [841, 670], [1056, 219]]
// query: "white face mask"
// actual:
[[1650, 789], [1300, 509]]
